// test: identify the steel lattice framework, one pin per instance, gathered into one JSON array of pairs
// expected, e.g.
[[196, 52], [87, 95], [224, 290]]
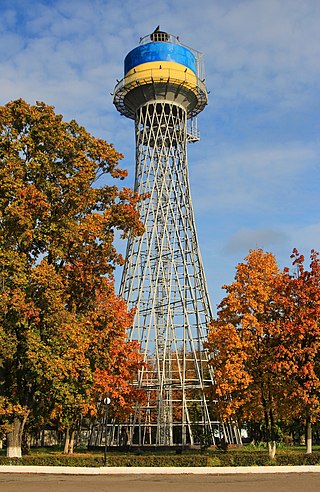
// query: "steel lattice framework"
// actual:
[[163, 277]]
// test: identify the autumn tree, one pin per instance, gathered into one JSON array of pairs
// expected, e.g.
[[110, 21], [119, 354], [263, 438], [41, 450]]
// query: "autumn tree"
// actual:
[[62, 329], [112, 368], [297, 356], [241, 343]]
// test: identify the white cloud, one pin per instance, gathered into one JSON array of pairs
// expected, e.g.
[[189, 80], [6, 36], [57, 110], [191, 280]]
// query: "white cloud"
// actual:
[[246, 239], [307, 237], [254, 177], [257, 166], [254, 50]]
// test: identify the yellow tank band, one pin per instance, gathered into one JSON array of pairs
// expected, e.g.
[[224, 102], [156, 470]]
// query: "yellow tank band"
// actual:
[[160, 71]]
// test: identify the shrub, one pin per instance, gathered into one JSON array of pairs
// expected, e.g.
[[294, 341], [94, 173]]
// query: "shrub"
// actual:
[[234, 458], [112, 460]]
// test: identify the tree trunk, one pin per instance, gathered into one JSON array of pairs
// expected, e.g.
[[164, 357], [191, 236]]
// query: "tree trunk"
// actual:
[[71, 442], [272, 446], [14, 438], [268, 419], [26, 443], [66, 440], [309, 436]]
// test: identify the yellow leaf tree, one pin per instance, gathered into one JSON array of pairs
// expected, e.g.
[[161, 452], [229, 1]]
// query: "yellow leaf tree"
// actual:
[[241, 343], [58, 215]]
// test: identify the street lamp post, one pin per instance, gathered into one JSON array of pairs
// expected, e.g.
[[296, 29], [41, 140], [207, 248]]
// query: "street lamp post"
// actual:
[[106, 402]]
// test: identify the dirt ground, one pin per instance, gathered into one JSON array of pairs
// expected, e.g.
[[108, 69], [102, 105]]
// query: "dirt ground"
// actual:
[[293, 482]]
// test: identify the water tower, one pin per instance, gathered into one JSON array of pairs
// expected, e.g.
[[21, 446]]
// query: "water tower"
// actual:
[[163, 91]]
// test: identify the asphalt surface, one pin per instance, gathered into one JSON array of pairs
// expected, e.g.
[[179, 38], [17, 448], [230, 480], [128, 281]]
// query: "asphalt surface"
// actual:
[[284, 482]]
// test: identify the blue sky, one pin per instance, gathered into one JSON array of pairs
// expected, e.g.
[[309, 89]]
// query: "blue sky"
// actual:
[[255, 174]]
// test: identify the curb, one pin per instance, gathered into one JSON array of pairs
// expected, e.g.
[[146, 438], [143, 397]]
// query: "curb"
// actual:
[[135, 470]]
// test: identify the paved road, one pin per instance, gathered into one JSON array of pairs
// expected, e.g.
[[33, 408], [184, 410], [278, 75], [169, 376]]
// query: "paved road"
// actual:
[[293, 482]]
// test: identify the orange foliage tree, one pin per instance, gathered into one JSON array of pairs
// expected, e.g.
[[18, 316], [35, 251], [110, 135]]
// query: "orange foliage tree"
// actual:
[[62, 328], [241, 340], [297, 355]]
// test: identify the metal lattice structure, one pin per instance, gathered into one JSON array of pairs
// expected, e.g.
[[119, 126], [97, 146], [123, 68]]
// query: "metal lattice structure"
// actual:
[[163, 277]]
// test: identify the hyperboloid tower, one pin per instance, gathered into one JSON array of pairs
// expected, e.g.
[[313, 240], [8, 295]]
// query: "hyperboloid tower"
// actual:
[[163, 91]]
